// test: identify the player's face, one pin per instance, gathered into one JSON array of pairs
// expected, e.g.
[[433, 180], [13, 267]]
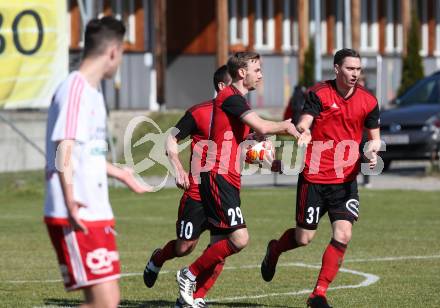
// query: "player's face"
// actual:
[[253, 75], [115, 58], [349, 72]]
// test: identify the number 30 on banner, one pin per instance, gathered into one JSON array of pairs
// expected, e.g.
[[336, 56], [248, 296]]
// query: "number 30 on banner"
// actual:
[[33, 51], [16, 33]]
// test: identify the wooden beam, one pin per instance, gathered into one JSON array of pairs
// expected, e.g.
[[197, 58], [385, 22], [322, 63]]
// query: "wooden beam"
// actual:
[[251, 25], [139, 25], [406, 19], [331, 25], [303, 30], [431, 27], [356, 24], [278, 18], [75, 25], [160, 48], [382, 24], [107, 10], [222, 32]]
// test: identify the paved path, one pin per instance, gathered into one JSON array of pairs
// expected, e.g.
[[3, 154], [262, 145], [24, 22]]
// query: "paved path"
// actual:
[[402, 175], [384, 181]]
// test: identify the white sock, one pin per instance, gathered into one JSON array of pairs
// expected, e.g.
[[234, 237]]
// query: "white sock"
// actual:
[[153, 267], [190, 275]]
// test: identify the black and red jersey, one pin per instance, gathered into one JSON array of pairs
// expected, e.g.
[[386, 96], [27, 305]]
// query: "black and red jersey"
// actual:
[[195, 123], [227, 132], [337, 131]]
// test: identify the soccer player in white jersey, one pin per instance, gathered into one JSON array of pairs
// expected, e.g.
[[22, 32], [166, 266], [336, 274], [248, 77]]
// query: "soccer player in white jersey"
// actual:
[[77, 211]]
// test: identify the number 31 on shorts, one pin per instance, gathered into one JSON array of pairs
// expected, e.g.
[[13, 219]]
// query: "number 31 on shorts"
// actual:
[[312, 215], [235, 214]]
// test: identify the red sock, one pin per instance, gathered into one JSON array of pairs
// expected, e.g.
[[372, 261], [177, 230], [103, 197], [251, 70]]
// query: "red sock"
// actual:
[[168, 252], [213, 255], [286, 242], [206, 280], [331, 262]]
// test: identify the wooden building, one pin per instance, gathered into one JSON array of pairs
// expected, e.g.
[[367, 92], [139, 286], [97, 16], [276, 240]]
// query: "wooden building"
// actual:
[[174, 46]]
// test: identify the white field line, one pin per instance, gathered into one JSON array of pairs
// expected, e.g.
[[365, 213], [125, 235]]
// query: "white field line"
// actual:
[[255, 266], [401, 258], [369, 280]]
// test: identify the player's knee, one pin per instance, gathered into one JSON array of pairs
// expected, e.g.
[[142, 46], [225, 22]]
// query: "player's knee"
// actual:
[[115, 301], [184, 248], [110, 300], [343, 238], [240, 242], [303, 239], [342, 235]]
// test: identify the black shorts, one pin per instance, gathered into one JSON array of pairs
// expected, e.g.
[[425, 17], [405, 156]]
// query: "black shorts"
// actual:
[[191, 219], [341, 201], [222, 202]]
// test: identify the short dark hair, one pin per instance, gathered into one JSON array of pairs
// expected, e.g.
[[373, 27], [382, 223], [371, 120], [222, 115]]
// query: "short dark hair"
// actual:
[[221, 75], [100, 32], [240, 60], [341, 54]]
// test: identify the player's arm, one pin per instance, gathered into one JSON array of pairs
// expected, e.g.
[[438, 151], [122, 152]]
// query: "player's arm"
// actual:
[[265, 127], [127, 176], [185, 126], [236, 105], [182, 177], [374, 143], [312, 109], [65, 172]]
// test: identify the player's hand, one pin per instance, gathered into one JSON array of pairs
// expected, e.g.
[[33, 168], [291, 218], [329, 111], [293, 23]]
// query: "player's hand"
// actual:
[[130, 179], [305, 138], [372, 148], [291, 129], [269, 156], [257, 137], [182, 179], [74, 220], [372, 162], [277, 166]]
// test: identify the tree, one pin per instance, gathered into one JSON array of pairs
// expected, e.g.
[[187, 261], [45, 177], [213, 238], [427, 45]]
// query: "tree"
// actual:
[[307, 78], [412, 69]]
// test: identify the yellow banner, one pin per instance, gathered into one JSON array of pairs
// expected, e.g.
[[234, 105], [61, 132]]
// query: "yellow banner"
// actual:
[[33, 51]]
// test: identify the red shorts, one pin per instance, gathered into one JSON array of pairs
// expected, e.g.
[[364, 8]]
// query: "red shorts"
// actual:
[[85, 259]]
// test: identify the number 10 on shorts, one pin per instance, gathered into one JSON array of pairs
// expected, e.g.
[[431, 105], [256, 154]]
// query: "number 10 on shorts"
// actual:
[[186, 229]]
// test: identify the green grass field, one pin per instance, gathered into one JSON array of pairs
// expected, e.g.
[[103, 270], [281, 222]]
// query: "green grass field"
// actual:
[[396, 241]]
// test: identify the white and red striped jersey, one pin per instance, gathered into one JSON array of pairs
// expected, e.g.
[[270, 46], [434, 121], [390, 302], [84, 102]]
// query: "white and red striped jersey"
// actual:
[[77, 112]]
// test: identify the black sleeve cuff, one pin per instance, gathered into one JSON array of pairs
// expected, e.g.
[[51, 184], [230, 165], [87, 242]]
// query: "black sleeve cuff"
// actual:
[[312, 105], [186, 126], [372, 120], [236, 106]]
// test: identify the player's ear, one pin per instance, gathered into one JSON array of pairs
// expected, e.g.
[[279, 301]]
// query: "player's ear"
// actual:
[[336, 67], [242, 72], [113, 51]]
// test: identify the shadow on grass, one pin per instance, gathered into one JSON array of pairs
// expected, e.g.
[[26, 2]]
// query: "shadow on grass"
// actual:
[[123, 304], [151, 303]]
